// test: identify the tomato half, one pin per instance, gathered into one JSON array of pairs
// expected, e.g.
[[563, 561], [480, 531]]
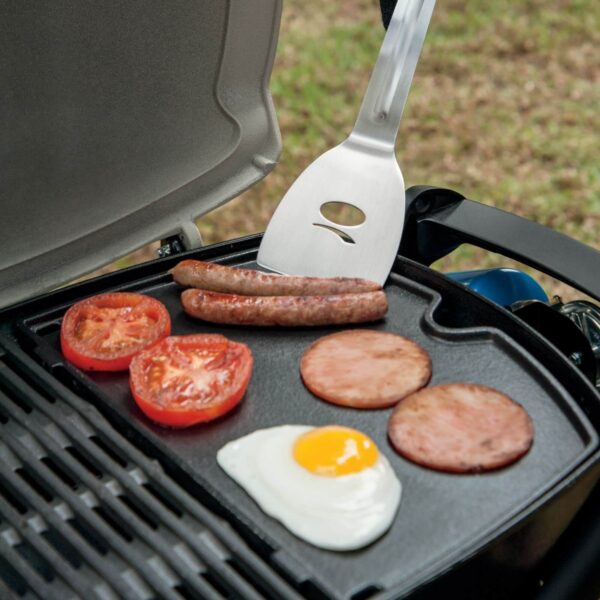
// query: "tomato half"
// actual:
[[188, 379], [104, 332]]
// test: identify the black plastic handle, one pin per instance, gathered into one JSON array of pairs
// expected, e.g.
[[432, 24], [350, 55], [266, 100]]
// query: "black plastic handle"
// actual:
[[439, 220]]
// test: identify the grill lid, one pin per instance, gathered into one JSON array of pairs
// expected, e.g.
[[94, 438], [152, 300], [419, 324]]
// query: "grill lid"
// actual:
[[121, 123]]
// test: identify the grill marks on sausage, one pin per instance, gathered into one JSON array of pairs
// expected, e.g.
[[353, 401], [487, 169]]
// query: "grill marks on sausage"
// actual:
[[288, 311], [364, 368], [248, 282], [461, 428]]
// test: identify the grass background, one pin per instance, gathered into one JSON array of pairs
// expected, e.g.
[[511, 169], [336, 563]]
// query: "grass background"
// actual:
[[503, 108]]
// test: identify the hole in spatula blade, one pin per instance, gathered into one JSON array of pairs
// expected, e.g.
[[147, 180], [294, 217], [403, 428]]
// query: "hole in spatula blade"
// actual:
[[342, 213], [342, 234]]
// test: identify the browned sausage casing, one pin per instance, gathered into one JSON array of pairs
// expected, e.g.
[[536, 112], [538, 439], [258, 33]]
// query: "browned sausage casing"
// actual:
[[231, 280], [288, 311]]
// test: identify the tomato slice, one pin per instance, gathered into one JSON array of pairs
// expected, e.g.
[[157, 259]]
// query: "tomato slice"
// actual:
[[104, 332], [183, 380]]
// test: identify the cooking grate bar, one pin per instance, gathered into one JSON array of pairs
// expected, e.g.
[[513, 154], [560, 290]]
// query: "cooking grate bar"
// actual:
[[96, 506], [9, 592], [100, 497], [101, 562], [33, 534], [60, 516], [136, 532], [12, 551]]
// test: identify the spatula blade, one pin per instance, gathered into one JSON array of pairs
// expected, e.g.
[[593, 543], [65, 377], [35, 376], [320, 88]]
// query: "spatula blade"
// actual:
[[300, 240]]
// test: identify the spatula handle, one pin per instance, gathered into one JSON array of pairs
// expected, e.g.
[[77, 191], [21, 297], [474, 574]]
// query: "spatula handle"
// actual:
[[379, 117]]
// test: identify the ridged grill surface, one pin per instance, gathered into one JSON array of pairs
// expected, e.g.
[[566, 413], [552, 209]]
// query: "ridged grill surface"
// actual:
[[84, 514]]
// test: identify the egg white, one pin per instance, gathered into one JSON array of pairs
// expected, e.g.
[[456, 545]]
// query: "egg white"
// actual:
[[335, 513]]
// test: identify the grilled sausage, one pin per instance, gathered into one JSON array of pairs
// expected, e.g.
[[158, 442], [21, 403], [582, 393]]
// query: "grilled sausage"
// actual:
[[287, 311], [362, 368], [231, 280], [460, 428]]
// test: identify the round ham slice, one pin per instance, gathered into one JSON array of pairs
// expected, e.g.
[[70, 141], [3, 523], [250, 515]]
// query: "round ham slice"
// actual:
[[362, 368], [460, 428]]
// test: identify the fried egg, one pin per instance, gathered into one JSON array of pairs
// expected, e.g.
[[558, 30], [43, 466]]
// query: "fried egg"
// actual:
[[329, 485]]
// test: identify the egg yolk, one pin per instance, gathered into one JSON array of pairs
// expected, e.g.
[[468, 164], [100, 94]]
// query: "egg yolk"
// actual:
[[335, 451]]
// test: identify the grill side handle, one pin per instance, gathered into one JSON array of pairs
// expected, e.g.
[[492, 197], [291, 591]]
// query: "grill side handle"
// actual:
[[439, 220]]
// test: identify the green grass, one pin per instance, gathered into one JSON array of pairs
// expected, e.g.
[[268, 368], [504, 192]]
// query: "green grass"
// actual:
[[504, 108]]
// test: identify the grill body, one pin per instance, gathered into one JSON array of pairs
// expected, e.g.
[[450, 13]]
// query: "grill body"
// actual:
[[503, 542]]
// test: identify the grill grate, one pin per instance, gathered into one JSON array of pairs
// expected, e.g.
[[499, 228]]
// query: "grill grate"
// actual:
[[83, 513]]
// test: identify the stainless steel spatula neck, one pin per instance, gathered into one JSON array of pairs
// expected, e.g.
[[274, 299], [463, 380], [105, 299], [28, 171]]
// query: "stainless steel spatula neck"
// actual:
[[382, 107]]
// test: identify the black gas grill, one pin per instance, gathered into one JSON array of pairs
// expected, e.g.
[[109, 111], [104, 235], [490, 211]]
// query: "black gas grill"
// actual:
[[125, 122], [95, 485]]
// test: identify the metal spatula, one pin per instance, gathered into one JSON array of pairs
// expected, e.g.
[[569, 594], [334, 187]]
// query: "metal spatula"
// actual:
[[362, 172]]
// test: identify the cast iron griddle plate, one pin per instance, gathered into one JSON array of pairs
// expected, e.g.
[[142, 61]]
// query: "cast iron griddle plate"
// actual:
[[441, 517]]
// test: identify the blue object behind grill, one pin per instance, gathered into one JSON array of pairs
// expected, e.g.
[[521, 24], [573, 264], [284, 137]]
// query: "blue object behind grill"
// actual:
[[503, 286]]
